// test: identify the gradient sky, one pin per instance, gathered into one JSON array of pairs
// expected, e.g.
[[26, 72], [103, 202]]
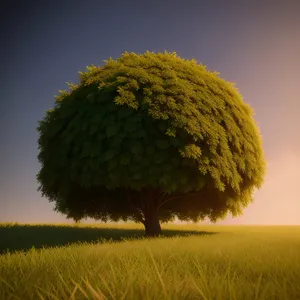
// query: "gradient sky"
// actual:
[[255, 44]]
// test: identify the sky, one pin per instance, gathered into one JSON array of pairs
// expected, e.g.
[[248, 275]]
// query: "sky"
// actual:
[[255, 44]]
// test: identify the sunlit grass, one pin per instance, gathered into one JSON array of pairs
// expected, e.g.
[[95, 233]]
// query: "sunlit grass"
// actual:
[[239, 262]]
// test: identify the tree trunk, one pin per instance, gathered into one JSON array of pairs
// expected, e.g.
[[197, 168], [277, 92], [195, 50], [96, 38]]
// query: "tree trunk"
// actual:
[[146, 206], [152, 225]]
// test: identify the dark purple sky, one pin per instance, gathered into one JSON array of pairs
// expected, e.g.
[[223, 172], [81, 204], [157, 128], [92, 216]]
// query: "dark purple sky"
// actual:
[[255, 44]]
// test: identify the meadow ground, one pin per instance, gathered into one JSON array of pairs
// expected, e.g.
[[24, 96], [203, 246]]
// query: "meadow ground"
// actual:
[[115, 262]]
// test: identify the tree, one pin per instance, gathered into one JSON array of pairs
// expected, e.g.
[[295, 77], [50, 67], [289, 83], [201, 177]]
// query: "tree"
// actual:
[[147, 138]]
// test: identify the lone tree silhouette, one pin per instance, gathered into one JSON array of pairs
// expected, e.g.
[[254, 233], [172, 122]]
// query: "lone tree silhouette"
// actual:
[[147, 138]]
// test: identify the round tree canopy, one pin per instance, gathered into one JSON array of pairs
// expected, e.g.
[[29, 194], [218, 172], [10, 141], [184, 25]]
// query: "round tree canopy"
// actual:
[[151, 126]]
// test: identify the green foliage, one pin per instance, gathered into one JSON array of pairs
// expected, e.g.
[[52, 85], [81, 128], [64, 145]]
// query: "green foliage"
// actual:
[[150, 122]]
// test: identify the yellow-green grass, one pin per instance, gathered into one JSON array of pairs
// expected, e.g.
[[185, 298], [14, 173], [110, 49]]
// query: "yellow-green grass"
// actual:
[[233, 262]]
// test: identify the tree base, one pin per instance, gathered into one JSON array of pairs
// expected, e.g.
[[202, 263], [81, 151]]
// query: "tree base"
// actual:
[[152, 226]]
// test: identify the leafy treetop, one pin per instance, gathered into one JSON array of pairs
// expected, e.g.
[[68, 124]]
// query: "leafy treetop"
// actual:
[[150, 126]]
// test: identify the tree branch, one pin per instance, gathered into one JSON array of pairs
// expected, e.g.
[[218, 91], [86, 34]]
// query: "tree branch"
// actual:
[[173, 198]]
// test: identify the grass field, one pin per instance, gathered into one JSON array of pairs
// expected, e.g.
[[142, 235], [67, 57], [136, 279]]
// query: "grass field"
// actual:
[[116, 262]]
